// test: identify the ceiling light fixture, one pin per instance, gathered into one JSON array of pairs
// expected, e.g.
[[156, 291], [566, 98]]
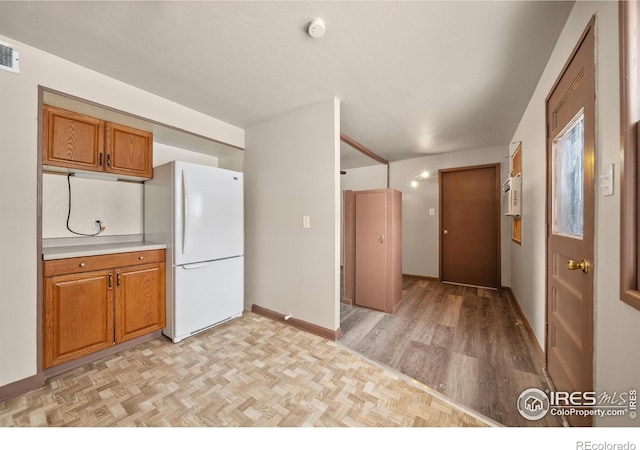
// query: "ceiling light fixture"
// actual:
[[316, 28]]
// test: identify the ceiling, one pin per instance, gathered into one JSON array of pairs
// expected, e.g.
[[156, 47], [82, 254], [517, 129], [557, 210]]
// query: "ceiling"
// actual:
[[414, 77]]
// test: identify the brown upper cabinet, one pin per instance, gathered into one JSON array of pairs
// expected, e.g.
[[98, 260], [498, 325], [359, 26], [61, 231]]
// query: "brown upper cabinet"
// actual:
[[75, 141]]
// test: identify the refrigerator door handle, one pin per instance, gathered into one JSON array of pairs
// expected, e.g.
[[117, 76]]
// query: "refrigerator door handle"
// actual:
[[185, 217], [194, 266]]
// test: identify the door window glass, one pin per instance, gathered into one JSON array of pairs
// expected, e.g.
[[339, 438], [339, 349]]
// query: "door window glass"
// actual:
[[568, 180]]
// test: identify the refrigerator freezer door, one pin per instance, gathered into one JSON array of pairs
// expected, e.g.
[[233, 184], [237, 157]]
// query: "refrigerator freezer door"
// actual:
[[206, 294], [209, 214]]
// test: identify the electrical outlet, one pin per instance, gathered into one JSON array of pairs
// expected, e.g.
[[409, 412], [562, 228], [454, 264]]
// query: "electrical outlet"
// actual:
[[97, 224]]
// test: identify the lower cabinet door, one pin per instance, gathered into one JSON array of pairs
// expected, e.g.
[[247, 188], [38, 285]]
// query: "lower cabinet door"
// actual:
[[140, 297], [78, 316]]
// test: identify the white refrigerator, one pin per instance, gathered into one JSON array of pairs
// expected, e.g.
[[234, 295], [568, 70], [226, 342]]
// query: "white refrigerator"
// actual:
[[198, 212]]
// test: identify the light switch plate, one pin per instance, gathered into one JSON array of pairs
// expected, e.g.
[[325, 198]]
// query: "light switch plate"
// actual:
[[306, 222], [432, 212], [606, 181]]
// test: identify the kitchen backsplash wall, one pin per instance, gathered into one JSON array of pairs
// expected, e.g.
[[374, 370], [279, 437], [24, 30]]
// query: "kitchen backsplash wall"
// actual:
[[118, 204]]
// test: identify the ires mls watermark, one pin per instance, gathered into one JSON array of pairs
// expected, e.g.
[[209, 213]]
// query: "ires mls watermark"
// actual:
[[534, 404]]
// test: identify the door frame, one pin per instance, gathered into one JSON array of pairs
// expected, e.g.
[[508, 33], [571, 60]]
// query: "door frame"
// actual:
[[590, 27], [498, 167]]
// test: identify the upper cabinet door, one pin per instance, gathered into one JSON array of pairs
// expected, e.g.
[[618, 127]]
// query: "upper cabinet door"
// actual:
[[129, 151], [72, 140]]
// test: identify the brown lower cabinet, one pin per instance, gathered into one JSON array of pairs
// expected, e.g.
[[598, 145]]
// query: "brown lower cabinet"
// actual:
[[95, 302]]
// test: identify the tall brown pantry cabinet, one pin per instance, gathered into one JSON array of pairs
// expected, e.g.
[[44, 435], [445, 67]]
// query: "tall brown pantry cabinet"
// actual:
[[373, 249]]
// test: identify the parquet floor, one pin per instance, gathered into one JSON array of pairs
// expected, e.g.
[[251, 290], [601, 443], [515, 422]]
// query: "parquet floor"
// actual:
[[467, 343], [249, 372]]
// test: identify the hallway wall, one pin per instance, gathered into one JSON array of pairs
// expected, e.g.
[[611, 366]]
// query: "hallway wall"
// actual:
[[616, 355], [420, 231]]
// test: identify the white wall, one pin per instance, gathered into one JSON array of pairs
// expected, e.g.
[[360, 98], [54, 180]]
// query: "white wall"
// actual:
[[420, 231], [292, 170], [235, 161], [616, 366], [117, 203], [163, 153], [18, 180], [363, 178]]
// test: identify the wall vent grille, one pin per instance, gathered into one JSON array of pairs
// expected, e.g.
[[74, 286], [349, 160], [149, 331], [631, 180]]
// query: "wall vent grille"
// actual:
[[9, 59]]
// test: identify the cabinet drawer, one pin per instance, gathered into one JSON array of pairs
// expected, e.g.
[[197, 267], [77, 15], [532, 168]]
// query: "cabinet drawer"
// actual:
[[100, 262]]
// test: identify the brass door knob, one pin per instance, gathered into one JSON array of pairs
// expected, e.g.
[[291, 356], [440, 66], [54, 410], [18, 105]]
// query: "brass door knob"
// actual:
[[574, 265], [445, 232]]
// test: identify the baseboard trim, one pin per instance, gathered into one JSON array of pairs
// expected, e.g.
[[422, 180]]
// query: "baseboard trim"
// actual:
[[420, 277], [65, 367], [21, 386], [525, 322], [333, 335], [28, 384]]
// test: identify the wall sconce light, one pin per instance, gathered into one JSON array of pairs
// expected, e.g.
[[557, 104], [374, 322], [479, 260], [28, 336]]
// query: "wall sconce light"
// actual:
[[423, 176]]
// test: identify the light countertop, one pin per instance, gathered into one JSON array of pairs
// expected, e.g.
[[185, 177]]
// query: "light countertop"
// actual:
[[73, 251]]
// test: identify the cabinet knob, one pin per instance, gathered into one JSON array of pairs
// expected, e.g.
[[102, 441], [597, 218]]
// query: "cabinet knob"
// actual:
[[82, 264], [140, 258]]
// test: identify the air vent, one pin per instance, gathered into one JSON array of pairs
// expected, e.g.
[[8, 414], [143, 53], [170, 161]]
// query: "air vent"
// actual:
[[9, 59]]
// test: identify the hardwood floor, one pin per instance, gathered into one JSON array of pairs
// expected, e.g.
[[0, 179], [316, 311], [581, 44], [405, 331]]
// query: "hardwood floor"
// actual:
[[467, 343], [249, 372]]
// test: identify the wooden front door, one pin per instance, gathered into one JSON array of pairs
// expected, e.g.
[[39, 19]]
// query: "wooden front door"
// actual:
[[470, 225], [371, 250], [570, 112]]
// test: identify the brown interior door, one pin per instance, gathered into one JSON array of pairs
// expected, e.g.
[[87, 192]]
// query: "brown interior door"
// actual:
[[371, 250], [570, 221], [470, 225]]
